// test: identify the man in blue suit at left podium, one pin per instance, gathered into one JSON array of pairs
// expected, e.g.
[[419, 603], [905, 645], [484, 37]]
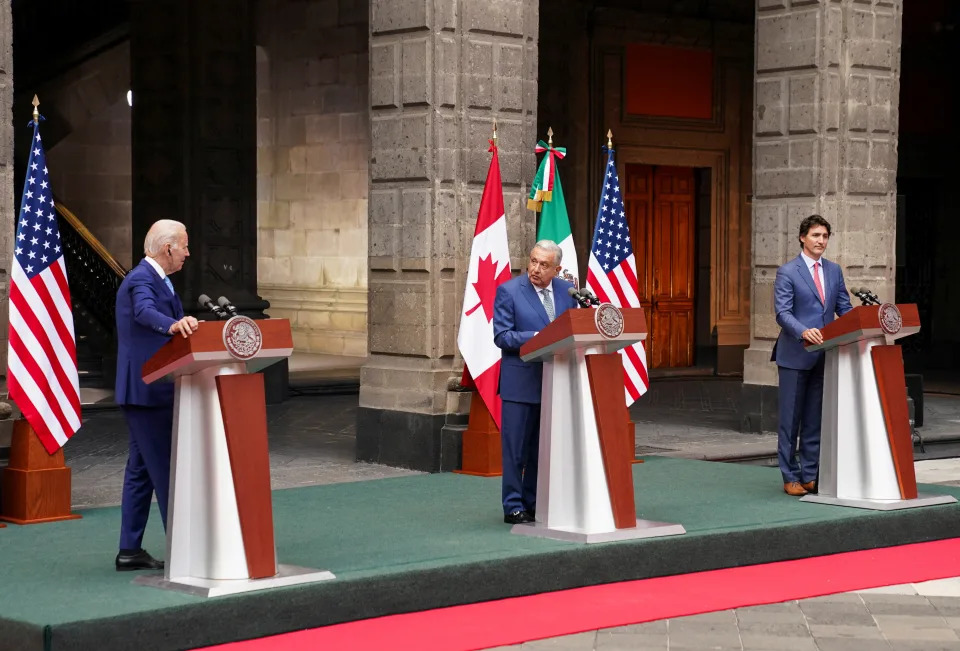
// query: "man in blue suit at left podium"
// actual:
[[148, 313]]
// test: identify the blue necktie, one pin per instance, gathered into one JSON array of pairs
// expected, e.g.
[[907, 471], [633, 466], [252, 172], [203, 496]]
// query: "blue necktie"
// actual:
[[166, 279]]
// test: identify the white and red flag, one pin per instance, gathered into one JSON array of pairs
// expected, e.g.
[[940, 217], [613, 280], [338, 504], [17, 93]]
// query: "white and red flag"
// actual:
[[489, 268], [612, 273], [42, 354]]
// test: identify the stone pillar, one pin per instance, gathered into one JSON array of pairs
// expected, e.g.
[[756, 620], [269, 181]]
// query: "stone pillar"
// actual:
[[9, 199], [825, 141], [193, 75], [440, 72]]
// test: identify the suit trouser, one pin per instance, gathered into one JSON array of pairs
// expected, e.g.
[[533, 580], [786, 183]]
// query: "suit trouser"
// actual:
[[148, 470], [520, 443], [801, 405]]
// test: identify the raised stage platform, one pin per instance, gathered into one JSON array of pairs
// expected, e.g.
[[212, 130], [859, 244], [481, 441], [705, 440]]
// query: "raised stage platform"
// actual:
[[412, 543]]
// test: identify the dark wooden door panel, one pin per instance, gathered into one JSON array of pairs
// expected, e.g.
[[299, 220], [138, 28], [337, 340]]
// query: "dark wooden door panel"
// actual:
[[660, 211]]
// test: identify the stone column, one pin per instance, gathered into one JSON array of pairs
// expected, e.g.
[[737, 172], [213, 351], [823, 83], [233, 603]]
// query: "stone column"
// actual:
[[825, 142], [9, 199], [440, 72]]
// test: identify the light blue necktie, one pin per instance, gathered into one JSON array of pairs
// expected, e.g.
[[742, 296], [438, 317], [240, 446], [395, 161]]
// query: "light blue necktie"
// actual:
[[548, 304], [166, 279]]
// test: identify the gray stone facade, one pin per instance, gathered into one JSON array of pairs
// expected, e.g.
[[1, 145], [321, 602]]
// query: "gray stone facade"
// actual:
[[825, 141], [440, 73]]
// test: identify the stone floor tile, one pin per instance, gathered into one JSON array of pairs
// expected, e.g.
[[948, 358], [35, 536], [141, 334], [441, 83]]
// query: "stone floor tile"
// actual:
[[618, 641], [716, 617], [727, 639], [906, 588], [915, 609], [837, 614], [840, 597], [753, 641], [846, 631], [646, 628], [780, 629], [923, 645], [939, 588], [945, 605], [850, 644]]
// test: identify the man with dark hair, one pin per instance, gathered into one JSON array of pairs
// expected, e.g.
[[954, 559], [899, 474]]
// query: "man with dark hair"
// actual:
[[808, 292]]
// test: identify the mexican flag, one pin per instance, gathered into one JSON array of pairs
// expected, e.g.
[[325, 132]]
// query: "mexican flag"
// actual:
[[489, 268], [546, 197]]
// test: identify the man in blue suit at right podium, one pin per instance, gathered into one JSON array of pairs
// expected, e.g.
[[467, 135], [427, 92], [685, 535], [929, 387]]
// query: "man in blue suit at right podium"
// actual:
[[808, 291], [523, 307], [149, 313]]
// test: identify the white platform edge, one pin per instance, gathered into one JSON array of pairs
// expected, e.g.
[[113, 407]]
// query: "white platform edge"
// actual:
[[644, 529], [881, 505], [287, 575]]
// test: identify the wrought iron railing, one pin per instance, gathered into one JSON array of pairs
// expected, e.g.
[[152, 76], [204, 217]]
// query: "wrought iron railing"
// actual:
[[94, 274]]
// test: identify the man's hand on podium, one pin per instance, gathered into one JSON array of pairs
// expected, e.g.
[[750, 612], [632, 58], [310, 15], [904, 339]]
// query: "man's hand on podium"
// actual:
[[812, 335], [185, 326]]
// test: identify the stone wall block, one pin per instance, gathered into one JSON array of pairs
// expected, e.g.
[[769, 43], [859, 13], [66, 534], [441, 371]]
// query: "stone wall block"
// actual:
[[785, 183], [397, 15], [384, 80], [770, 107], [385, 206], [495, 17], [831, 102], [804, 154], [871, 53], [383, 243], [803, 109], [801, 30], [445, 14], [448, 54], [763, 5], [416, 66], [401, 147], [478, 74], [773, 155]]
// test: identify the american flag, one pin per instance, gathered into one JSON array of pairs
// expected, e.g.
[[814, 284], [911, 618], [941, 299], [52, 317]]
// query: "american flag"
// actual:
[[612, 273], [42, 355]]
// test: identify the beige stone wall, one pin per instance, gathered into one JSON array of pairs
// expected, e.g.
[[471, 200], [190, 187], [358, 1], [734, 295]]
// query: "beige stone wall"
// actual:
[[313, 147], [90, 174]]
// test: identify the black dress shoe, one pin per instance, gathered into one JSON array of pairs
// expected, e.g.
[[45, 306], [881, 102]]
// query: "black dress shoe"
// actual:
[[517, 517], [139, 561]]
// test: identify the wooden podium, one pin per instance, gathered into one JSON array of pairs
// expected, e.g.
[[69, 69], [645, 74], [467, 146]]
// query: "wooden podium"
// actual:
[[866, 447], [220, 516], [585, 482]]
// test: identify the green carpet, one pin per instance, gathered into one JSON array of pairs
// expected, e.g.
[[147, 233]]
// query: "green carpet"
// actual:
[[56, 573]]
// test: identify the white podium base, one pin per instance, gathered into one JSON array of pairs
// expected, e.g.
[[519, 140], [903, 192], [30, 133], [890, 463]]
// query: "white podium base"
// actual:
[[644, 529], [287, 575], [881, 505]]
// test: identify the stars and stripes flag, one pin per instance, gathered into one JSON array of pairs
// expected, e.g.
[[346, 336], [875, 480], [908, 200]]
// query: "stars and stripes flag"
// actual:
[[612, 273], [489, 268], [42, 353]]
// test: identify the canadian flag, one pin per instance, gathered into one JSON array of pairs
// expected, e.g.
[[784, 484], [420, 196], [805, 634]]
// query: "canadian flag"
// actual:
[[489, 268]]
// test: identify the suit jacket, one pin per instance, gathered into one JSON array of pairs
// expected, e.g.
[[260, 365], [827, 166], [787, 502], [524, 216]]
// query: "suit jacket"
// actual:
[[518, 314], [145, 311], [798, 307]]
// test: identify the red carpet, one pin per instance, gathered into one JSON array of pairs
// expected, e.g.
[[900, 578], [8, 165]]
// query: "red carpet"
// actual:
[[511, 621]]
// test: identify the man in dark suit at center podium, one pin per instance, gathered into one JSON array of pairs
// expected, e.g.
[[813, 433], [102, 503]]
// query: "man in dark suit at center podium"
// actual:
[[149, 313], [523, 307]]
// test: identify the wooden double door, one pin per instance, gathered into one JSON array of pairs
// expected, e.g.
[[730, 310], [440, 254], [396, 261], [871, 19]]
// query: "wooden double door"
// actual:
[[660, 208]]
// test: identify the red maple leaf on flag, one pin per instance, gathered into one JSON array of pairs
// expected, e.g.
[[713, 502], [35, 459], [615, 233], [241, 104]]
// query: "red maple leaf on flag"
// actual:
[[486, 285]]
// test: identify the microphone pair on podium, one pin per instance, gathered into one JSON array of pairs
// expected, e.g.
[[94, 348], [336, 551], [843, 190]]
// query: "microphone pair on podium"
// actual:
[[584, 297], [223, 308], [865, 295]]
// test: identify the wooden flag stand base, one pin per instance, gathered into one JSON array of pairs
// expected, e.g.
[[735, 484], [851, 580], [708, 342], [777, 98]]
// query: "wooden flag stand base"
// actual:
[[482, 456], [36, 485]]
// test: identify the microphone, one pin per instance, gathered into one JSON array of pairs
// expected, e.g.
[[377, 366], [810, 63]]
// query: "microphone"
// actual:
[[205, 301], [229, 307], [582, 301], [590, 296], [865, 295]]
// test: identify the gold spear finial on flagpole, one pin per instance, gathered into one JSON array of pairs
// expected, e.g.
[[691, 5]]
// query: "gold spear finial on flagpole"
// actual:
[[36, 111], [609, 138], [549, 135], [494, 130]]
